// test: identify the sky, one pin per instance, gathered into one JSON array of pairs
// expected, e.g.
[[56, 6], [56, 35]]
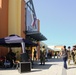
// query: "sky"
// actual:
[[57, 21]]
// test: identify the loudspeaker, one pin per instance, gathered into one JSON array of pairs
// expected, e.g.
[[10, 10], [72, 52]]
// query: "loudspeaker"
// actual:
[[24, 67]]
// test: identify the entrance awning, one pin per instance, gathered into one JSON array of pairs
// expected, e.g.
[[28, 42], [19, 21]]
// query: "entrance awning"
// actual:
[[36, 36]]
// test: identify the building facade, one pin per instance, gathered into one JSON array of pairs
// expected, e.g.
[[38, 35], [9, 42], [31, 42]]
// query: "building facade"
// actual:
[[17, 17]]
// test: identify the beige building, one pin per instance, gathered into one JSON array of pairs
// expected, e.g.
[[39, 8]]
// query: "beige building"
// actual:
[[58, 47]]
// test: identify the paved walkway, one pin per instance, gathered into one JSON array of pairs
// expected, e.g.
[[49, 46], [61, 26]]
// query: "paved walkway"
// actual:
[[52, 67]]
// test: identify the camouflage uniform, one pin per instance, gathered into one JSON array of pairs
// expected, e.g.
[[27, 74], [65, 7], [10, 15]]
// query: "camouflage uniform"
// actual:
[[69, 57], [74, 56], [42, 57]]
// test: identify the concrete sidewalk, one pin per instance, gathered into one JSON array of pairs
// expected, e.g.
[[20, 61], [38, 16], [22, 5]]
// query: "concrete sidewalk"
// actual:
[[52, 67]]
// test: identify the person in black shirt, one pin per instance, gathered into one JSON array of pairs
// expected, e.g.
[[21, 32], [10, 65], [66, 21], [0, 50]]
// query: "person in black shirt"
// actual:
[[34, 57], [11, 56]]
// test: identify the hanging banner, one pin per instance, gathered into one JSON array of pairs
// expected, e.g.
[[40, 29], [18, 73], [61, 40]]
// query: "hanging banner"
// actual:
[[31, 21]]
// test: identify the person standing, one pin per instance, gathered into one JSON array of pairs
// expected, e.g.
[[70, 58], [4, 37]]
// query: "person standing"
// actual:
[[72, 53], [65, 56], [69, 55], [11, 56], [42, 56], [34, 57], [75, 56]]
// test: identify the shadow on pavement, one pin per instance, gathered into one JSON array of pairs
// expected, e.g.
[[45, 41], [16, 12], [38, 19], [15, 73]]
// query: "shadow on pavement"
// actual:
[[47, 63], [7, 69], [46, 66], [35, 70], [55, 60], [71, 67], [38, 67]]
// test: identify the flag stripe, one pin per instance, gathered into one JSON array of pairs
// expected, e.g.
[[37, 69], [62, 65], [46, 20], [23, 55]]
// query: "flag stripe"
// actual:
[[34, 22]]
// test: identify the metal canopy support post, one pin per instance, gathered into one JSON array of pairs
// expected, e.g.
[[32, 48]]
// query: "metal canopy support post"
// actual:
[[23, 47]]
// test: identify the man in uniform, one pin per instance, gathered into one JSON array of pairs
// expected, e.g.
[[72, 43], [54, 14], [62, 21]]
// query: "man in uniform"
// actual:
[[69, 55], [42, 56]]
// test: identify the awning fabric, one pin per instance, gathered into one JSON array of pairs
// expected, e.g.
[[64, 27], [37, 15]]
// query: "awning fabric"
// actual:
[[36, 35], [15, 41]]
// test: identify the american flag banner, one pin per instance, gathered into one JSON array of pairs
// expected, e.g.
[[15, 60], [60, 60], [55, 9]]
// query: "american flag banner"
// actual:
[[34, 22]]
